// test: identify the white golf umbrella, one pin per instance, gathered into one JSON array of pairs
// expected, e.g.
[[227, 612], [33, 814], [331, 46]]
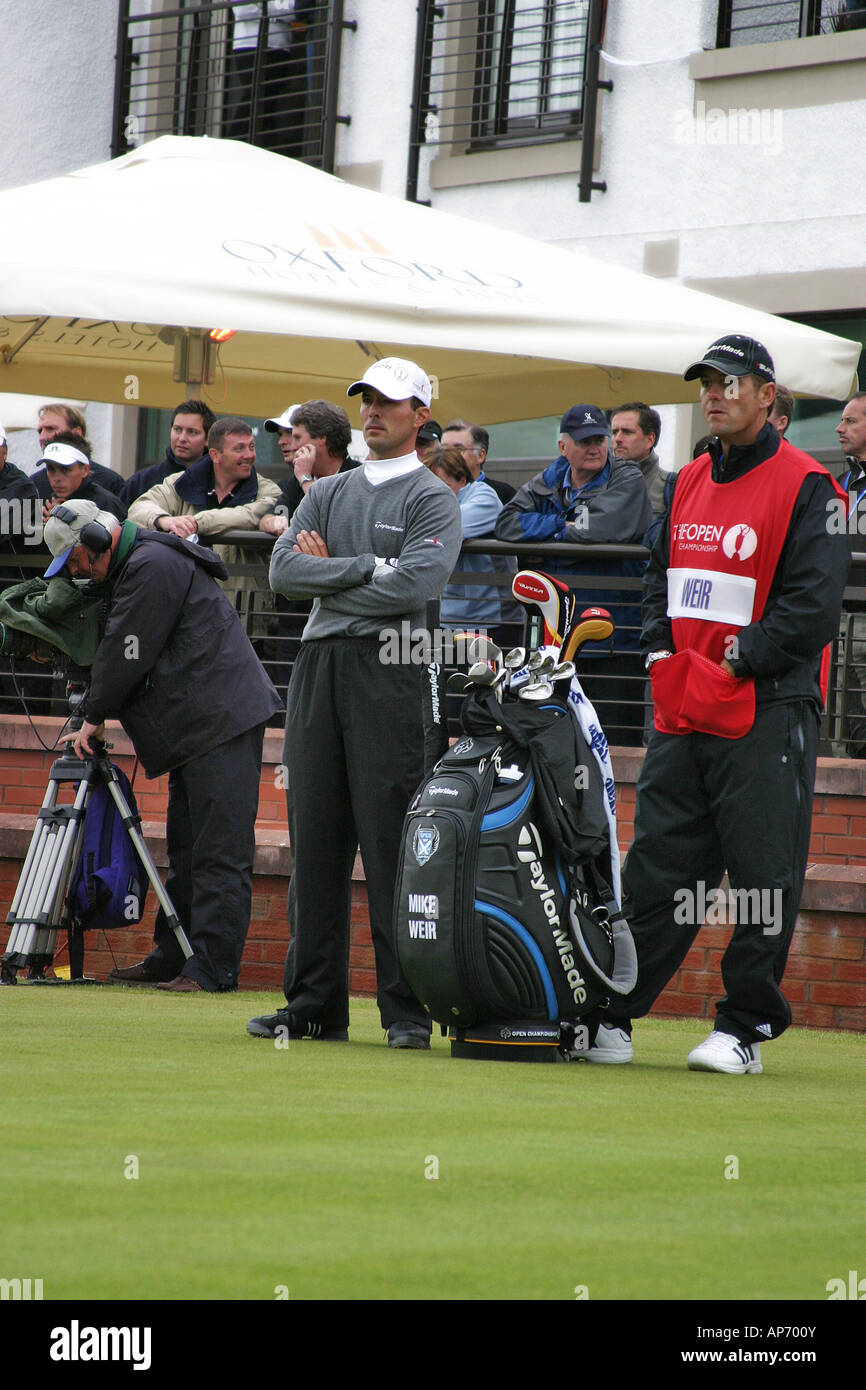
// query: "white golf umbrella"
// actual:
[[112, 276]]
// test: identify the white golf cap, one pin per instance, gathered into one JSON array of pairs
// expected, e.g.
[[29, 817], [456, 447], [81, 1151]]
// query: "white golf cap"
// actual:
[[64, 455], [2, 435], [62, 531], [397, 379], [282, 422]]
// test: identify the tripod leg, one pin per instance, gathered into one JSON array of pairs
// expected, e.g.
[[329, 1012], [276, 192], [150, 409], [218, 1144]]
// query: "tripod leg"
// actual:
[[37, 907], [132, 824]]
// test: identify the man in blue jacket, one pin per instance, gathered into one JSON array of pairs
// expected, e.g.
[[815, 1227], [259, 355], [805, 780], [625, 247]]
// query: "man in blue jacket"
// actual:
[[190, 424], [586, 497]]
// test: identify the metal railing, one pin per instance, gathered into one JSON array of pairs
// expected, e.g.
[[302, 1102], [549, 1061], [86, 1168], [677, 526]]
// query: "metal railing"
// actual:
[[768, 21], [493, 74], [616, 683], [230, 71]]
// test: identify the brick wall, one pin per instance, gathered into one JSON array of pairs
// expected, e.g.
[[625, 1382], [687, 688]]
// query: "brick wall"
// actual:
[[826, 976]]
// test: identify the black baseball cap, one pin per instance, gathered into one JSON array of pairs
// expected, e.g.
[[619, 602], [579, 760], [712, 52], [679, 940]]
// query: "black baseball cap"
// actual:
[[584, 422], [431, 430], [735, 355]]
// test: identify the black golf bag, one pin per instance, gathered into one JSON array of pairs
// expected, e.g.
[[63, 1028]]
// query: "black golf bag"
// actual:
[[507, 926]]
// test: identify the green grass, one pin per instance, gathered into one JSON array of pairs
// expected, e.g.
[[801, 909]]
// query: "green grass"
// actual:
[[305, 1166]]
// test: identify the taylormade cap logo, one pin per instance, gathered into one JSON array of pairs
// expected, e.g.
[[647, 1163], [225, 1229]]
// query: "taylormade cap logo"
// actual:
[[735, 355]]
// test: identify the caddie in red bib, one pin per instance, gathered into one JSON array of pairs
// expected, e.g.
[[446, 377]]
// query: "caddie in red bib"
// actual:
[[742, 597]]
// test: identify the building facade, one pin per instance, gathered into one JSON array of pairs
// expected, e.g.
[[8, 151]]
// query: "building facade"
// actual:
[[712, 143]]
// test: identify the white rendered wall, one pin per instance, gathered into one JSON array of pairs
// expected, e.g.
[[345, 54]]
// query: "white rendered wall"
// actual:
[[56, 115]]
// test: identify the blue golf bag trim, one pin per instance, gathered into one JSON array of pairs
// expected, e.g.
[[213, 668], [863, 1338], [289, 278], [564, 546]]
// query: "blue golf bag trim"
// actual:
[[549, 991], [494, 820]]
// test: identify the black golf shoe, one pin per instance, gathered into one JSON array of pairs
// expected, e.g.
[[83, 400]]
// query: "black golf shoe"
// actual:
[[284, 1024]]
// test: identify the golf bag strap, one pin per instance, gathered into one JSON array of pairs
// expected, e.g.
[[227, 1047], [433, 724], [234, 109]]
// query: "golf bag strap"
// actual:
[[623, 976]]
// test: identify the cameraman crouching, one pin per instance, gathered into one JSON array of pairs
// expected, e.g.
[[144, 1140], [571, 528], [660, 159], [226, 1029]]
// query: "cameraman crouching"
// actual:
[[176, 668]]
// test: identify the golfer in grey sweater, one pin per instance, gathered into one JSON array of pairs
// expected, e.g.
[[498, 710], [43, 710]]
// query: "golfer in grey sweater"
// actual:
[[372, 546]]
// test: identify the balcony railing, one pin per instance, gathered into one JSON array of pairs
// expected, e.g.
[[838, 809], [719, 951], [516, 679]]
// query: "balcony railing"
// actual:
[[231, 71], [274, 626]]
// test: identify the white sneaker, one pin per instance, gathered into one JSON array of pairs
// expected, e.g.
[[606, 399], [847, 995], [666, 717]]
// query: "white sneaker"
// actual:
[[723, 1052], [612, 1045]]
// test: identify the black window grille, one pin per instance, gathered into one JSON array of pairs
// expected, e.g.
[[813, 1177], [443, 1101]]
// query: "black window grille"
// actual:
[[493, 73], [265, 72], [767, 21]]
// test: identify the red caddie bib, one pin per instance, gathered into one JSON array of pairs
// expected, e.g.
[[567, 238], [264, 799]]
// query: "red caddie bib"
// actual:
[[725, 543]]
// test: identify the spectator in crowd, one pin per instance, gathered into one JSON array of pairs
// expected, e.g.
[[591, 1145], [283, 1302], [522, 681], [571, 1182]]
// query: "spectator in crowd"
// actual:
[[474, 442], [783, 410], [221, 492], [20, 532], [20, 517], [272, 36], [735, 625], [635, 429], [586, 498], [320, 439], [320, 436], [851, 431], [187, 444], [281, 426], [57, 419], [468, 606], [69, 477], [373, 546], [429, 436], [194, 701]]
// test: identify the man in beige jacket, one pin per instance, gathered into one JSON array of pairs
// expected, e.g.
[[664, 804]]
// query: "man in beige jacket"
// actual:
[[221, 492]]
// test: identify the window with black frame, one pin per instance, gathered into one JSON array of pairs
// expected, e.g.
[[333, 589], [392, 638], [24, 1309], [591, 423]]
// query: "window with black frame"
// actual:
[[497, 73], [529, 69], [767, 21]]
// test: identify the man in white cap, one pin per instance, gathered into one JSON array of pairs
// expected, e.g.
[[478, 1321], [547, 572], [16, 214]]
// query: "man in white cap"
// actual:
[[372, 546], [314, 446], [67, 468], [176, 668]]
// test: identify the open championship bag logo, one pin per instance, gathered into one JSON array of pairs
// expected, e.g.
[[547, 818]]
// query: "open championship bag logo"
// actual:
[[425, 843]]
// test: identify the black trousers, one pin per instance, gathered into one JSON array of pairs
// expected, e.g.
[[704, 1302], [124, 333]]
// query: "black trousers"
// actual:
[[211, 836], [355, 756], [706, 805]]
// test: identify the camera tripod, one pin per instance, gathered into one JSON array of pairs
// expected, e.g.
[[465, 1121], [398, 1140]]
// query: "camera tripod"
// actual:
[[39, 908]]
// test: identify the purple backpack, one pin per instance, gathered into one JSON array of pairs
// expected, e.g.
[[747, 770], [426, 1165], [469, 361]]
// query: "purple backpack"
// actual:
[[110, 884]]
